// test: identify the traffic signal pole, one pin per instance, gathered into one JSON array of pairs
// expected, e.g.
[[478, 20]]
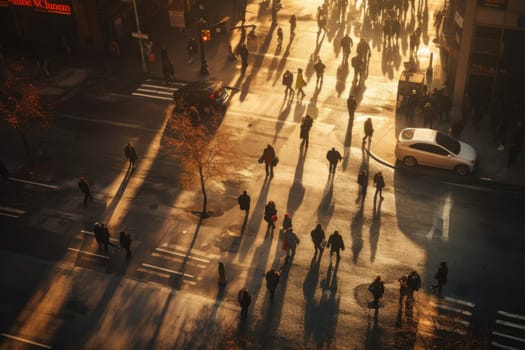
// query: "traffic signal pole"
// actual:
[[144, 67]]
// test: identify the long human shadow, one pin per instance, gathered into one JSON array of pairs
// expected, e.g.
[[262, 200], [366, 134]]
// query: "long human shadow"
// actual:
[[273, 65], [309, 70], [110, 209], [326, 206], [387, 62], [328, 310], [282, 62], [375, 227], [176, 280], [255, 220], [296, 193], [341, 75], [285, 109], [310, 285], [256, 64]]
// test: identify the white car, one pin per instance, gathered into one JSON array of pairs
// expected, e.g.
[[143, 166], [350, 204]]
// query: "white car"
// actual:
[[433, 148]]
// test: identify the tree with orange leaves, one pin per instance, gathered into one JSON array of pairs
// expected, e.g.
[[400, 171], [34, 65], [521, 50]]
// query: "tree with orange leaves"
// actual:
[[20, 102], [201, 151]]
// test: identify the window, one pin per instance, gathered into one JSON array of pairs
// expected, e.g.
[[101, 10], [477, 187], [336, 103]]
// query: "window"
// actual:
[[430, 148], [500, 4], [448, 142]]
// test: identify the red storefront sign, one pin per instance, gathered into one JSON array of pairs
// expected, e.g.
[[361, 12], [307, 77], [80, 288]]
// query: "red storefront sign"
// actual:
[[44, 6]]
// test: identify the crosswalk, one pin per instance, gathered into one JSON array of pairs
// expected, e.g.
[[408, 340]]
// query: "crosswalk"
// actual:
[[84, 252], [20, 197], [157, 89], [446, 316], [169, 260], [509, 331]]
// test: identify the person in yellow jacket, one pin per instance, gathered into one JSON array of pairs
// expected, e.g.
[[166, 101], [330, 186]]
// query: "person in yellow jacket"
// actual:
[[300, 82]]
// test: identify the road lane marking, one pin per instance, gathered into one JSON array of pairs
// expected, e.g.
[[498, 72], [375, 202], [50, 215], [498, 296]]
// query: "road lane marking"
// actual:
[[154, 91], [12, 210], [10, 215], [168, 270], [152, 96], [182, 255], [88, 253], [501, 346], [508, 314], [53, 187], [509, 336], [510, 324], [27, 341], [451, 308], [158, 87], [178, 260], [458, 301]]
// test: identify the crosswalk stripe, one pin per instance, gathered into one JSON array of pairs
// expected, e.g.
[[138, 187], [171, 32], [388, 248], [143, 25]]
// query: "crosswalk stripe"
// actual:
[[155, 91], [431, 324], [87, 253], [451, 308], [508, 314], [176, 83], [159, 87], [168, 270], [12, 210], [52, 187], [182, 255], [501, 346], [508, 336], [458, 301], [152, 96], [27, 341], [510, 324], [10, 215]]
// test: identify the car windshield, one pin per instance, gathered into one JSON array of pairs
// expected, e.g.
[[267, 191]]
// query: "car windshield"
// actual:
[[448, 142]]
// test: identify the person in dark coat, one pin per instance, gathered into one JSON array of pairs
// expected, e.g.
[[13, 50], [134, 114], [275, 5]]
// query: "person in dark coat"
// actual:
[[244, 201], [272, 280], [319, 68], [84, 187], [243, 52], [346, 45], [413, 284], [377, 288], [306, 125], [291, 243], [293, 24], [245, 300], [288, 81], [318, 237], [125, 243], [269, 213], [97, 230], [131, 155], [351, 104], [362, 180], [379, 182], [105, 238], [268, 157], [403, 288], [368, 129], [335, 243], [287, 222], [333, 157], [441, 278]]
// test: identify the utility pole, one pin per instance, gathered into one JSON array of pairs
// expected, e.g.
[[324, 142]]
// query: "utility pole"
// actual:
[[144, 67]]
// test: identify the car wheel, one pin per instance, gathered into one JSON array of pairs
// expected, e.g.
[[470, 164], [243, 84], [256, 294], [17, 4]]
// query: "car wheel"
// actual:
[[462, 169], [410, 161]]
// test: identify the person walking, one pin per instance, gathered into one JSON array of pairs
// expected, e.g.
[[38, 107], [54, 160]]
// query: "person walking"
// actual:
[[362, 180], [191, 47], [243, 52], [131, 155], [245, 300], [403, 289], [333, 157], [268, 157], [346, 45], [293, 24], [319, 68], [244, 201], [105, 238], [413, 284], [272, 280], [291, 244], [84, 187], [335, 244], [357, 64], [379, 183], [377, 288], [279, 38], [270, 215], [428, 115], [287, 222], [441, 278], [125, 243], [288, 81], [300, 83], [318, 237], [306, 125], [97, 230], [368, 129]]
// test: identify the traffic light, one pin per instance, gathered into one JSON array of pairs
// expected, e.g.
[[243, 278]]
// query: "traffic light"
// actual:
[[205, 34]]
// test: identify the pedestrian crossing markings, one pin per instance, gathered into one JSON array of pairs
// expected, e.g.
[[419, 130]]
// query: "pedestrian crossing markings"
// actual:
[[156, 90]]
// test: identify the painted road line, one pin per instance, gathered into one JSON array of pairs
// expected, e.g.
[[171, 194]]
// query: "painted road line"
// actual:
[[508, 314], [182, 255], [510, 324], [508, 336], [93, 234], [501, 346], [10, 215], [176, 83], [193, 251], [458, 301], [178, 259], [88, 253], [166, 88], [158, 274], [12, 210], [451, 308], [168, 270], [52, 187], [27, 341], [152, 96], [168, 93]]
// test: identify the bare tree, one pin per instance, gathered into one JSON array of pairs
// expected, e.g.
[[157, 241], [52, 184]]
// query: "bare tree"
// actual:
[[200, 150], [20, 102]]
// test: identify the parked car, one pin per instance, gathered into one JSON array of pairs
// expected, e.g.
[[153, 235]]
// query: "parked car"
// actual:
[[416, 146], [205, 95]]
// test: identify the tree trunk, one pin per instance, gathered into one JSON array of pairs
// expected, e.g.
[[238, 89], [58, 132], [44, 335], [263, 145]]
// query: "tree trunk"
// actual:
[[204, 213]]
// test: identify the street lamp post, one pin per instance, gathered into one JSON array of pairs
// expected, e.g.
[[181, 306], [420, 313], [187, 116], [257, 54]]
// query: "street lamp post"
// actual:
[[144, 67], [204, 64]]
